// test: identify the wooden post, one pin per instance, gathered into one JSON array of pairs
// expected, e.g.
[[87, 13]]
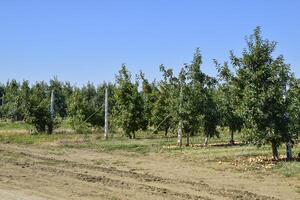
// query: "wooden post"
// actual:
[[106, 114]]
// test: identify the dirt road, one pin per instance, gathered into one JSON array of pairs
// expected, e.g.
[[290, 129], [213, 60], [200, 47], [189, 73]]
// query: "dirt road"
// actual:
[[39, 173]]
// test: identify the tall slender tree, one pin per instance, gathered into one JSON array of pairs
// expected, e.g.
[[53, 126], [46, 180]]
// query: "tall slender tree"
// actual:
[[229, 100], [24, 99], [293, 114], [262, 84], [128, 109], [78, 111], [60, 104], [39, 108], [148, 97], [12, 101], [163, 107]]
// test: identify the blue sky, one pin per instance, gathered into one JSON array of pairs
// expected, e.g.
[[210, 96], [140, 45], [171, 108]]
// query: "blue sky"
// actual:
[[88, 40]]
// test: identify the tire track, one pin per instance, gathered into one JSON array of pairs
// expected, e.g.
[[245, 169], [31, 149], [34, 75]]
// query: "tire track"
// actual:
[[200, 186]]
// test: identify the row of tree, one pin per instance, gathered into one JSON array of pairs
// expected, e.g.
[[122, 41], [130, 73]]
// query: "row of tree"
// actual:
[[254, 92]]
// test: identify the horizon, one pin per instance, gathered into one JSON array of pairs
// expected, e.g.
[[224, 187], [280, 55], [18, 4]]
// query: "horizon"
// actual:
[[87, 41]]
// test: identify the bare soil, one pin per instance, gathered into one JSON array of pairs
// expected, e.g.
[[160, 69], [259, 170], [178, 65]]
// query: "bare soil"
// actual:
[[35, 172]]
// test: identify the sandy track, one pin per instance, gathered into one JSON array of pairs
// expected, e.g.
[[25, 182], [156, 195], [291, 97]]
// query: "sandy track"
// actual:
[[40, 173]]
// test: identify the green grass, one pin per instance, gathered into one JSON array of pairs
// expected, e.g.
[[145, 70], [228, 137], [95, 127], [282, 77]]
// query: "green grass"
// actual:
[[11, 126], [65, 124], [25, 138], [288, 169]]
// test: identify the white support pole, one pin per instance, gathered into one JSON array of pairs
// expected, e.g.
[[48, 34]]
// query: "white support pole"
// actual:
[[52, 111], [106, 114], [179, 139]]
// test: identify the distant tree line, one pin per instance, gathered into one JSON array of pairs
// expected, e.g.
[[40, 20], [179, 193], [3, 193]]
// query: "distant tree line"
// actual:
[[255, 93]]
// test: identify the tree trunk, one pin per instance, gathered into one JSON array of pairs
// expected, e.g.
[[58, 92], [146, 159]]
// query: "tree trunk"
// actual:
[[187, 138], [129, 135], [133, 135], [166, 131], [2, 100], [275, 151], [40, 129], [50, 129], [289, 155], [206, 141], [192, 133], [232, 138]]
